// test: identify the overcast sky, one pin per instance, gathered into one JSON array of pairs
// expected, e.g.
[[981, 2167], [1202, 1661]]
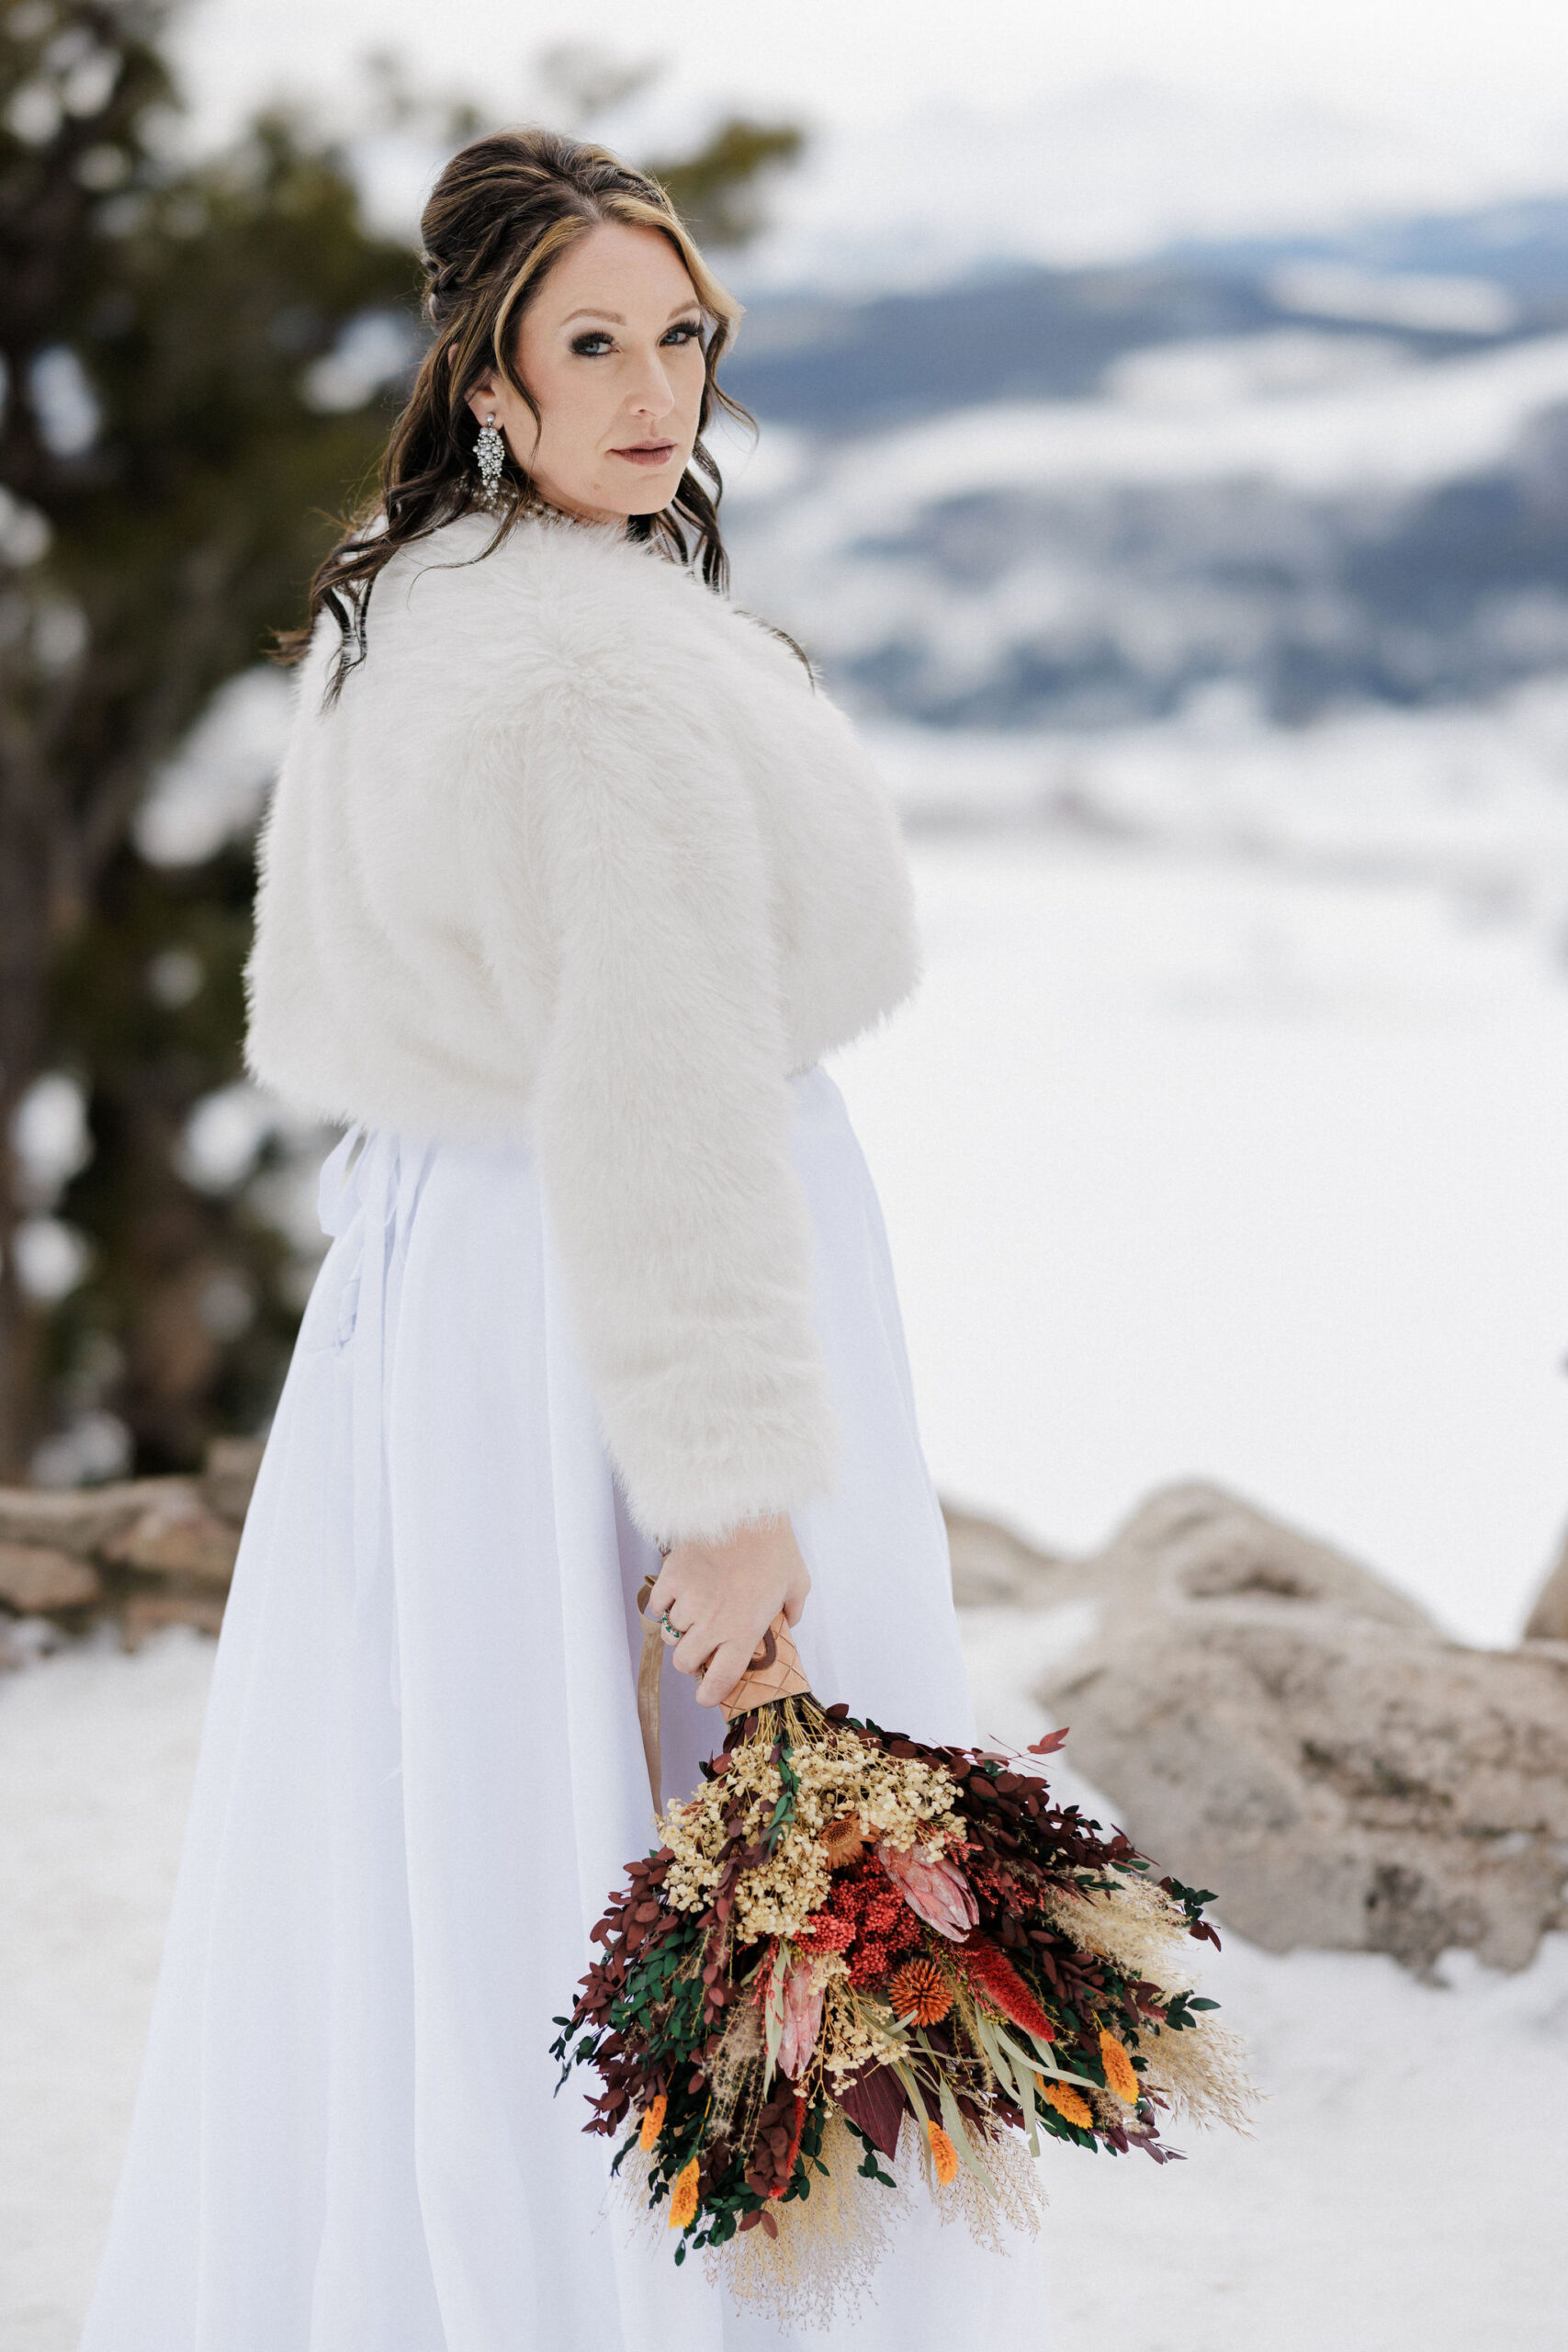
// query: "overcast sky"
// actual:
[[1489, 66]]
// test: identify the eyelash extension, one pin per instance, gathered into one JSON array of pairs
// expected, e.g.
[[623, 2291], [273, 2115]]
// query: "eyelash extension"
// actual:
[[689, 330]]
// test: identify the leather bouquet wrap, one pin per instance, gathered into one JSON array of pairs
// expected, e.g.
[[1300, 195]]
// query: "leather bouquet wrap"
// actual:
[[859, 1972]]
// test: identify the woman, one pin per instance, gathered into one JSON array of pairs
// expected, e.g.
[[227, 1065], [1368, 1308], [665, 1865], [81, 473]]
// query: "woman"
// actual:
[[570, 877]]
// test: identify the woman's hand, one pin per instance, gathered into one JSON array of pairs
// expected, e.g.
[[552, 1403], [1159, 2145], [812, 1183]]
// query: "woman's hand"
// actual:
[[721, 1598]]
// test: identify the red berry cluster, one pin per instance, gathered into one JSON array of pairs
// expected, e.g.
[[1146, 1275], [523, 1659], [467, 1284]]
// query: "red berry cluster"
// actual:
[[866, 1917]]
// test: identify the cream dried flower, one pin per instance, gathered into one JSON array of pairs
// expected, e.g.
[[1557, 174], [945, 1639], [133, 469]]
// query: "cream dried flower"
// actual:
[[1203, 2072], [1134, 1922], [897, 1801]]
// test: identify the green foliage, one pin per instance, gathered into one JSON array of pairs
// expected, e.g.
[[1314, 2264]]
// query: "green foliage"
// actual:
[[789, 1790], [179, 512], [718, 191], [870, 2165]]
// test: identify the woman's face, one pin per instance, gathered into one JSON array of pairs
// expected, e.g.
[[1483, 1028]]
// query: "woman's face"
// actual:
[[612, 349]]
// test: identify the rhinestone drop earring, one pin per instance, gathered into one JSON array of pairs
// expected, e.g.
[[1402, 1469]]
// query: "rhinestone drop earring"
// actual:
[[489, 451]]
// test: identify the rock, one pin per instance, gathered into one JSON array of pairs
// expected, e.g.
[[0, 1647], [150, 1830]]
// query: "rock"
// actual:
[[79, 1520], [175, 1534], [1196, 1541], [162, 1526], [146, 1612], [230, 1476], [1272, 1721], [1548, 1621], [37, 1577], [991, 1564]]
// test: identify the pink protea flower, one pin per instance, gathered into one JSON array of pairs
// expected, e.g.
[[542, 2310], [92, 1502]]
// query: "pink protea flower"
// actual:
[[935, 1890], [802, 2018]]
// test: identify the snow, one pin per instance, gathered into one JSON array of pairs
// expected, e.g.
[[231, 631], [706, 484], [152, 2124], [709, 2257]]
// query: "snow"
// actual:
[[97, 1755], [1389, 430], [213, 787], [1257, 508], [1469, 798], [1441, 304], [1250, 1168], [1402, 2189]]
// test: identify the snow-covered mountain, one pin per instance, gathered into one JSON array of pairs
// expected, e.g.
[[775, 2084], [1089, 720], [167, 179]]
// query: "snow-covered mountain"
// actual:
[[1327, 471]]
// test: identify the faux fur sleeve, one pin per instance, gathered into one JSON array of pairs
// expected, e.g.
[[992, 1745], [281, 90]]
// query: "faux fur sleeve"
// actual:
[[619, 828]]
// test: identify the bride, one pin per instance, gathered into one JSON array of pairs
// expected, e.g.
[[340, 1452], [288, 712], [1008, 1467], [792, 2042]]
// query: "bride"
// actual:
[[571, 876]]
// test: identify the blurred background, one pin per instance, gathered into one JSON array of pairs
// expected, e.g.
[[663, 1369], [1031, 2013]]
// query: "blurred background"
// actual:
[[1164, 452]]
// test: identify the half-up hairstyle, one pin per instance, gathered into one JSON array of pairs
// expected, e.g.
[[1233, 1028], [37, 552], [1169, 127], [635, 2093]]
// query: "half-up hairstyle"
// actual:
[[499, 217]]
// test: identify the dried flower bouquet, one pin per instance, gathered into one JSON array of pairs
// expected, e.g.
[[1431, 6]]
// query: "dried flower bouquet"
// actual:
[[852, 1952]]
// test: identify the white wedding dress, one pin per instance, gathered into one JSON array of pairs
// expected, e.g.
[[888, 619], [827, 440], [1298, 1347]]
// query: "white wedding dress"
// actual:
[[421, 1775]]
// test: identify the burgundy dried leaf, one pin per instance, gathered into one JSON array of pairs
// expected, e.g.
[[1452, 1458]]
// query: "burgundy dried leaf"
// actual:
[[876, 2101]]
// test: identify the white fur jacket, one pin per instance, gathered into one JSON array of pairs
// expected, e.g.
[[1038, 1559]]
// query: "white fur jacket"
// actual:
[[580, 853]]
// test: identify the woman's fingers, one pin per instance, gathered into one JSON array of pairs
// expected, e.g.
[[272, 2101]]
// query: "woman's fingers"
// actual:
[[724, 1668], [720, 1663], [665, 1591], [692, 1652], [719, 1598]]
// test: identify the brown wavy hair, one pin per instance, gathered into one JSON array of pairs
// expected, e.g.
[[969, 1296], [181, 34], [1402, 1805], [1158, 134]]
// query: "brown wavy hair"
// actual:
[[499, 217]]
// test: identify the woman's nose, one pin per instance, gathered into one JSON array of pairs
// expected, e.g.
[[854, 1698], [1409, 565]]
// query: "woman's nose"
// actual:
[[652, 396]]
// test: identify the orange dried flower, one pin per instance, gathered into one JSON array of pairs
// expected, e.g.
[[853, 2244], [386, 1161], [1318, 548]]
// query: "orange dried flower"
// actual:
[[944, 2152], [1120, 2071], [994, 1975], [652, 2121], [921, 1991], [845, 1841], [1068, 2102], [684, 2196]]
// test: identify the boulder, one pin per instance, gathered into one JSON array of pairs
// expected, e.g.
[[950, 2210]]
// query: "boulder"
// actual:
[[1197, 1542], [37, 1577], [158, 1550], [1270, 1719], [993, 1565], [148, 1612], [175, 1534], [228, 1476], [78, 1520], [1548, 1619]]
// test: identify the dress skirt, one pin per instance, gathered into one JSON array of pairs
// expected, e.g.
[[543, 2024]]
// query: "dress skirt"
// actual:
[[420, 1774]]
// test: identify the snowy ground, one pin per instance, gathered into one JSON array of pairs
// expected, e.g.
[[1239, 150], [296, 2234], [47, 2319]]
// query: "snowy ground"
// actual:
[[1204, 1161], [1402, 2193], [1402, 2189], [97, 1755]]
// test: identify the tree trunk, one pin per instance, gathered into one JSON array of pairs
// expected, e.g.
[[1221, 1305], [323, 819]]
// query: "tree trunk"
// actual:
[[26, 895], [21, 1335]]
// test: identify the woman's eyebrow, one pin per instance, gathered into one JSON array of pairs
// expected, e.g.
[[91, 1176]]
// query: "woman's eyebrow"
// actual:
[[615, 318]]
